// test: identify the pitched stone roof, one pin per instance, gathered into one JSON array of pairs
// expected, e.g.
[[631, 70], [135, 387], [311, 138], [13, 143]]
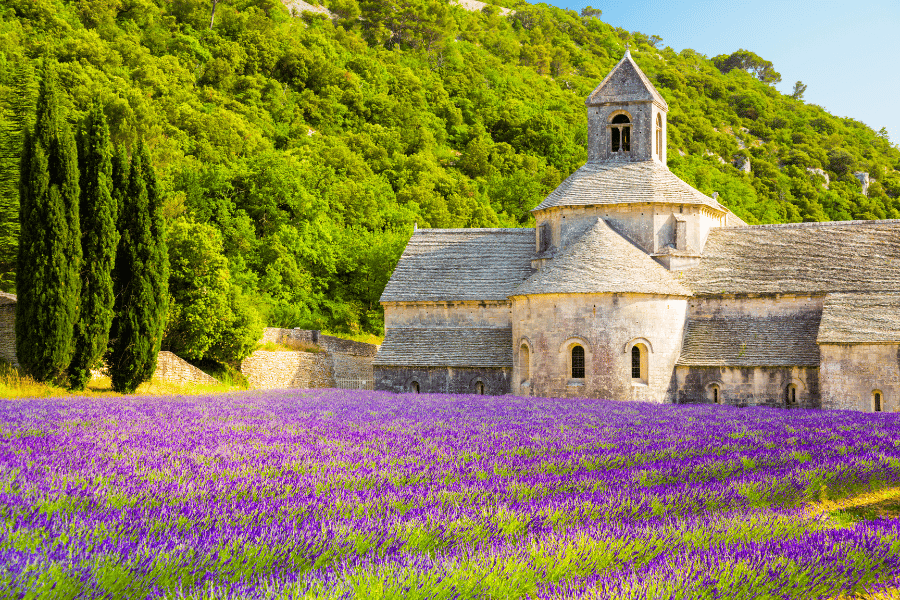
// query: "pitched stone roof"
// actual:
[[601, 260], [461, 264], [625, 83], [804, 258], [616, 183], [7, 298], [860, 319], [446, 347], [751, 341]]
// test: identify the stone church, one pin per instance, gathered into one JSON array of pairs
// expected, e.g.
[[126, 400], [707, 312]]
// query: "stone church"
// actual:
[[635, 286]]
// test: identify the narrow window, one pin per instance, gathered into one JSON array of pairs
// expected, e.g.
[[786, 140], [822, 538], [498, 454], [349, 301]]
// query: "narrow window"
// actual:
[[524, 363], [414, 387], [790, 395], [615, 139], [715, 394], [577, 362], [659, 136], [626, 139], [635, 362], [479, 388], [877, 399], [639, 364], [544, 237]]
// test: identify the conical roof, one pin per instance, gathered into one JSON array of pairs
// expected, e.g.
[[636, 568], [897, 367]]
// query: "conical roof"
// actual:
[[599, 261], [625, 83], [613, 182]]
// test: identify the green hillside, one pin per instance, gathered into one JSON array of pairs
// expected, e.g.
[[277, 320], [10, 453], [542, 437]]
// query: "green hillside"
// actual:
[[314, 145]]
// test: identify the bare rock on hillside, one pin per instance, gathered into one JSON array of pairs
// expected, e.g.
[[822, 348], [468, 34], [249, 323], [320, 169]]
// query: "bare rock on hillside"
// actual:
[[821, 173], [476, 6], [863, 180], [300, 6]]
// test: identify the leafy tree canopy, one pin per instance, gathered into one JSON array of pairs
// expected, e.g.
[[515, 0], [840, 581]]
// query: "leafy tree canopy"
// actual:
[[312, 145]]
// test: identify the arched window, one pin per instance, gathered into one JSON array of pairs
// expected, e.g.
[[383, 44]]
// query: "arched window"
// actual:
[[620, 133], [877, 401], [524, 363], [577, 362], [659, 137], [414, 387], [639, 367], [714, 394], [479, 388], [790, 395]]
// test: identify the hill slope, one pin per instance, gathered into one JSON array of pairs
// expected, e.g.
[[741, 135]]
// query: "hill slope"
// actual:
[[314, 145]]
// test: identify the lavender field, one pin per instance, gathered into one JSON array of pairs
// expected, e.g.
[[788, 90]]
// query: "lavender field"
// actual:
[[337, 494]]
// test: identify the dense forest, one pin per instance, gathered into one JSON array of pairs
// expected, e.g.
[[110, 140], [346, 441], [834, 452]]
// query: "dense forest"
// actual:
[[296, 152]]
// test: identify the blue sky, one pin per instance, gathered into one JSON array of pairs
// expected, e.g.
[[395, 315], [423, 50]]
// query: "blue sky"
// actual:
[[845, 52]]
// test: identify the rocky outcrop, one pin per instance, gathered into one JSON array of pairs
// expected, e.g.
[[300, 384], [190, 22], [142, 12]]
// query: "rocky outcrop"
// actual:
[[820, 173], [742, 163], [863, 178]]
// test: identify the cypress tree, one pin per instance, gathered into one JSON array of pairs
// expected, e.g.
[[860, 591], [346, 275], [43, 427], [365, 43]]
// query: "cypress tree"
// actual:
[[99, 239], [49, 259], [18, 118], [159, 263], [140, 279], [121, 170]]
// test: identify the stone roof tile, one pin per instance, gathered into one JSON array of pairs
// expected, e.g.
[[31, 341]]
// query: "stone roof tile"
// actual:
[[751, 341], [446, 347], [801, 258], [860, 319], [7, 298], [613, 182], [442, 265], [601, 260]]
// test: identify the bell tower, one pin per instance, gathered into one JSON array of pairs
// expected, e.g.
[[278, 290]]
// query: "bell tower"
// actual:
[[626, 117]]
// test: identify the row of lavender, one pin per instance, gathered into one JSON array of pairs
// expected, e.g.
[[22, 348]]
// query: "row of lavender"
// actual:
[[332, 493]]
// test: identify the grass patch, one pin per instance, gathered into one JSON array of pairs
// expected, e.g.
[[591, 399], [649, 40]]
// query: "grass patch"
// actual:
[[367, 338], [296, 346], [869, 506], [15, 385]]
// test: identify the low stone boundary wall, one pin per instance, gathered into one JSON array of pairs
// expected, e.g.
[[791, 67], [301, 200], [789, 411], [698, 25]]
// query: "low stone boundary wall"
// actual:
[[267, 370], [8, 328], [343, 363], [170, 367]]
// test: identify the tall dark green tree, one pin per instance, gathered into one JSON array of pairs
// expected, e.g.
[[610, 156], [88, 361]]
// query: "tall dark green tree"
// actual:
[[48, 277], [99, 239], [121, 169], [141, 280], [16, 117], [159, 262]]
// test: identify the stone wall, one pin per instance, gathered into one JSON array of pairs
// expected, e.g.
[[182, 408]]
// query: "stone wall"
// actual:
[[8, 328], [606, 326], [170, 367], [748, 386], [266, 370], [851, 373], [342, 363], [650, 226], [444, 380]]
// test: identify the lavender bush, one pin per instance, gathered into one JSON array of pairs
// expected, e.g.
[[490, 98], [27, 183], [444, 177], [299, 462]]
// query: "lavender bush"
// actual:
[[326, 493]]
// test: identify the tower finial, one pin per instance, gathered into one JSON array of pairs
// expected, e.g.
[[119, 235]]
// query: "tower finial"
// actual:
[[627, 49]]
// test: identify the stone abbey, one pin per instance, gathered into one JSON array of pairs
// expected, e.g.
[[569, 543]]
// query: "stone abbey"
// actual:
[[635, 286]]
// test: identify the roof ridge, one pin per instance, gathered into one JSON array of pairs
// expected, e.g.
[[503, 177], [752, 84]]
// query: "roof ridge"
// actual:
[[815, 224], [475, 229]]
